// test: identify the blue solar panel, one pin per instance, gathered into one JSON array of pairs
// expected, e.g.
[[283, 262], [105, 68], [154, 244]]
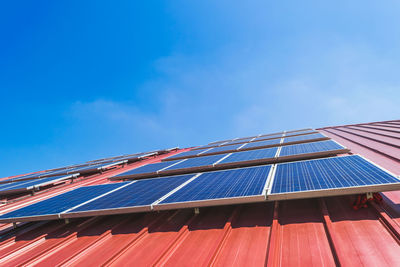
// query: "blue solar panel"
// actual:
[[219, 142], [300, 132], [265, 137], [197, 162], [329, 173], [262, 143], [60, 203], [29, 184], [223, 148], [23, 177], [309, 148], [303, 137], [242, 140], [140, 193], [258, 154], [187, 154], [149, 168], [16, 185], [272, 135], [223, 184]]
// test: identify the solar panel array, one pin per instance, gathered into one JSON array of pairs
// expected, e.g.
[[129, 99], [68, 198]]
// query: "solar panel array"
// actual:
[[306, 148], [147, 169], [251, 169], [315, 177], [222, 149], [188, 154], [244, 156], [220, 185], [138, 195], [305, 137], [85, 168], [196, 162], [300, 179], [30, 185], [237, 159], [282, 139]]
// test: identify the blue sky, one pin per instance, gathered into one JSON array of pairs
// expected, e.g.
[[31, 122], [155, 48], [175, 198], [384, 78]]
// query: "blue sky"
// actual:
[[81, 80]]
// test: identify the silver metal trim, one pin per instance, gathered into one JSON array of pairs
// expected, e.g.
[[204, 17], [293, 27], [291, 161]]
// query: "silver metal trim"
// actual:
[[278, 151], [271, 175], [334, 191], [122, 210], [210, 202]]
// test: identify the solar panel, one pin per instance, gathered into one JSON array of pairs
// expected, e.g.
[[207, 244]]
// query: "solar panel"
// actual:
[[306, 138], [50, 208], [135, 197], [186, 154], [28, 185], [240, 141], [84, 169], [145, 170], [209, 146], [324, 147], [21, 178], [260, 144], [245, 138], [278, 136], [259, 156], [219, 188], [219, 142], [222, 149], [301, 132], [195, 163], [272, 135], [330, 176]]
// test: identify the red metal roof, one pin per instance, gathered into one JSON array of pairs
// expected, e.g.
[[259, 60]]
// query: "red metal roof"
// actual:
[[310, 232]]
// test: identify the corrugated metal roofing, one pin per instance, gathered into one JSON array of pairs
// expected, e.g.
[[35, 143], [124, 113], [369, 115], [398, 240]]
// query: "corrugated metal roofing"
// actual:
[[310, 232]]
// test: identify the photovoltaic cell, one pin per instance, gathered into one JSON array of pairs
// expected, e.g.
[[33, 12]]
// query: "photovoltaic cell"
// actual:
[[303, 137], [60, 203], [309, 148], [197, 162], [329, 173], [208, 146], [222, 148], [262, 143], [187, 154], [149, 168], [223, 184], [29, 184], [300, 132], [267, 138], [272, 135], [139, 193], [23, 177], [245, 138], [240, 141], [250, 155], [219, 142]]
